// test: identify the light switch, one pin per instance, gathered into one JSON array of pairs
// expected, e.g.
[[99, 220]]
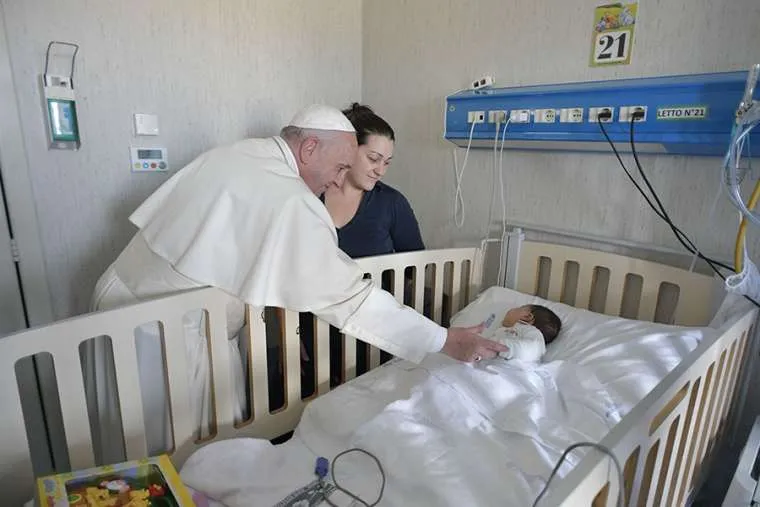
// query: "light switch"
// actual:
[[146, 124]]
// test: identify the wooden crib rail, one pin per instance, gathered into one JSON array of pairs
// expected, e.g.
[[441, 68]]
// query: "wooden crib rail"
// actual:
[[615, 284], [447, 280], [454, 273], [62, 341], [664, 442]]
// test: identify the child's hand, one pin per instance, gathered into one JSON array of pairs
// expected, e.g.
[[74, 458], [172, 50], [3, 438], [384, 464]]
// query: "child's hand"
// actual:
[[515, 315]]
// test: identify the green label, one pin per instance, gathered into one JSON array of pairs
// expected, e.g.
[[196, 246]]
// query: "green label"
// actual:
[[63, 120]]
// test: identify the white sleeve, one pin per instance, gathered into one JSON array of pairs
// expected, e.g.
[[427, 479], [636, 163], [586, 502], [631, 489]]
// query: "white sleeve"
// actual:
[[367, 312], [528, 345], [391, 326]]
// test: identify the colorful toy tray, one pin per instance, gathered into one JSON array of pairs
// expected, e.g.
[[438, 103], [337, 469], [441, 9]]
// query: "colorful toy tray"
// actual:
[[151, 482]]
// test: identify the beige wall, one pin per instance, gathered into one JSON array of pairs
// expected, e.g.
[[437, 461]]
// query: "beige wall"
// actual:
[[218, 71], [416, 52], [213, 71]]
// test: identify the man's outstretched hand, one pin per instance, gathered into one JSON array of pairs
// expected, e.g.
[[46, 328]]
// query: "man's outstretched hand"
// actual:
[[466, 344]]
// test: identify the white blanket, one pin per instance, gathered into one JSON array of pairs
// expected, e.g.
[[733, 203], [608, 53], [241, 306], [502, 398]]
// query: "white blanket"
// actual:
[[482, 436], [453, 434], [446, 433]]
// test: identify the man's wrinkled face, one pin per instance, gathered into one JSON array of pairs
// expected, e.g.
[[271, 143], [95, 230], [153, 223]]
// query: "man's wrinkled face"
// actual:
[[323, 162]]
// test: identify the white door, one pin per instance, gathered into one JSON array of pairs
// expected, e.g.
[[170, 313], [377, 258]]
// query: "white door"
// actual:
[[12, 317]]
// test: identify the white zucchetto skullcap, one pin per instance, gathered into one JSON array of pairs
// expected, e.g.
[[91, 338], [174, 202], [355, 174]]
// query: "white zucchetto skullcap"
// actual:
[[320, 117]]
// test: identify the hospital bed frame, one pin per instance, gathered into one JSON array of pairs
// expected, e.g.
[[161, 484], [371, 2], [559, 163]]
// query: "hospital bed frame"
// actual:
[[663, 443]]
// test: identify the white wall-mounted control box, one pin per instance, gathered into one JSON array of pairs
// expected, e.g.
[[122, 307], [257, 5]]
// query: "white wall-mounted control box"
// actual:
[[148, 159]]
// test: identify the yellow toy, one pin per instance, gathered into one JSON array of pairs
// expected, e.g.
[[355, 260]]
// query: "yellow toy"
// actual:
[[97, 497]]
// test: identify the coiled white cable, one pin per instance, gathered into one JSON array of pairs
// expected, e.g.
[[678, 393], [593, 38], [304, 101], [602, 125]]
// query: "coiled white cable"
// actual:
[[458, 175], [747, 118], [731, 167]]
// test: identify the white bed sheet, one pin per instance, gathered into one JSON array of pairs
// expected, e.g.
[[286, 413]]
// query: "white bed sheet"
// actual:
[[454, 434]]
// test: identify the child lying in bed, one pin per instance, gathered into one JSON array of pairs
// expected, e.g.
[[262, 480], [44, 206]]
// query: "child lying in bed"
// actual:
[[526, 330]]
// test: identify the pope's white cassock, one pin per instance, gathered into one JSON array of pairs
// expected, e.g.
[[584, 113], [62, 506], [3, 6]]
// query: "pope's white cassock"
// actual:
[[241, 219]]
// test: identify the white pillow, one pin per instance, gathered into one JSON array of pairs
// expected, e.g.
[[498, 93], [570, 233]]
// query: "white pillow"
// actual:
[[584, 334]]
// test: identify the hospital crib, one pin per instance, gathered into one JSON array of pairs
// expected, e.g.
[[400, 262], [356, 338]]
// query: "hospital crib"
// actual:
[[664, 443]]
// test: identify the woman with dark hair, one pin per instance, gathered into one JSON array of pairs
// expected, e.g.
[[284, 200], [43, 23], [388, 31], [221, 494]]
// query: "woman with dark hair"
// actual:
[[371, 218]]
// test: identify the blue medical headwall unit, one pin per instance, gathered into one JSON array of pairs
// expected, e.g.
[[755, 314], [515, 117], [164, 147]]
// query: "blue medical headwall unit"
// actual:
[[683, 115]]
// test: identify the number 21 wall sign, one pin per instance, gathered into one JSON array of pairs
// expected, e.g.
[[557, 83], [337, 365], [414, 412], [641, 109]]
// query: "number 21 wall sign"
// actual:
[[613, 34]]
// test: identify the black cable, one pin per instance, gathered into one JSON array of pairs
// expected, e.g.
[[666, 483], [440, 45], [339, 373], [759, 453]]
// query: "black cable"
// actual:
[[598, 447], [665, 214], [710, 262], [349, 493], [662, 213], [680, 235]]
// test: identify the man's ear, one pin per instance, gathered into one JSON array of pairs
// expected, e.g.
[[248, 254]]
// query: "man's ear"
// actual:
[[308, 148]]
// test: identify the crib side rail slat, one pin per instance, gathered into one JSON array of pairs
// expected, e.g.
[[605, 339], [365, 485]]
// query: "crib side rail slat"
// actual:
[[183, 428], [556, 278], [73, 407], [456, 287], [257, 344], [323, 356], [292, 344], [684, 442], [130, 401], [15, 467]]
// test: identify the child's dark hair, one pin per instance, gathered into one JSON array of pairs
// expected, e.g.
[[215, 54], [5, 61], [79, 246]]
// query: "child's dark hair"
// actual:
[[546, 321], [367, 123]]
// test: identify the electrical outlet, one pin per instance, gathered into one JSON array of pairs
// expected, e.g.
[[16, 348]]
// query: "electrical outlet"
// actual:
[[571, 115], [482, 82], [497, 116], [595, 112], [476, 116], [626, 112], [519, 116], [545, 116]]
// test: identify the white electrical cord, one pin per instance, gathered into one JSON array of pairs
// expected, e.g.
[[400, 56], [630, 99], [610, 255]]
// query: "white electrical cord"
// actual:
[[502, 260], [458, 199], [498, 167], [494, 167]]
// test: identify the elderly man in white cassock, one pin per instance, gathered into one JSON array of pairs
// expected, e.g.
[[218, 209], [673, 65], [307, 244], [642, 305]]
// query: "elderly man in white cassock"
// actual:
[[247, 219]]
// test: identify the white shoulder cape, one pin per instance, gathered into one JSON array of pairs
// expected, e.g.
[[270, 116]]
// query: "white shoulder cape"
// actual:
[[240, 218]]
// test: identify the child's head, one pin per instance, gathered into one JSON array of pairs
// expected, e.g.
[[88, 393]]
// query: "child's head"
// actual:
[[546, 321], [537, 316]]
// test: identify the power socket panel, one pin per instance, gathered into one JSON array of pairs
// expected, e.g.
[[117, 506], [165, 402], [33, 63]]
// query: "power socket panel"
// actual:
[[594, 112], [545, 116], [519, 116], [476, 116], [571, 115], [626, 113], [497, 116]]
